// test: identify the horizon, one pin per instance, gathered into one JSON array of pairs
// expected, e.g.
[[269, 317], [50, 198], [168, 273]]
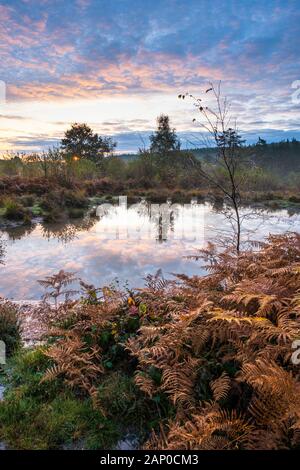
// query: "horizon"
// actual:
[[120, 153], [118, 66]]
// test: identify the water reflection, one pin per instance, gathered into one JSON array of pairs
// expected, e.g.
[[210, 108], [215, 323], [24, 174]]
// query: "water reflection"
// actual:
[[66, 232], [124, 244], [160, 222], [16, 233]]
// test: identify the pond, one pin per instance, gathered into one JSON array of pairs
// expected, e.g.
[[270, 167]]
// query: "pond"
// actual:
[[124, 242]]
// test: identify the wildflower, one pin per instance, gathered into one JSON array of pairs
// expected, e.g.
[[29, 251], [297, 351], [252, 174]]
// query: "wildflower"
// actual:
[[133, 310], [130, 301]]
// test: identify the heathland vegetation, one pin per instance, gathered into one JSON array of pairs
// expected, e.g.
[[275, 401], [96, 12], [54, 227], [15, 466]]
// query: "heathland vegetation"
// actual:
[[203, 362], [63, 181]]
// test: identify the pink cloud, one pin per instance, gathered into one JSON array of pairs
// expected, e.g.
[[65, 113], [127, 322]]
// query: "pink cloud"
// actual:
[[145, 73]]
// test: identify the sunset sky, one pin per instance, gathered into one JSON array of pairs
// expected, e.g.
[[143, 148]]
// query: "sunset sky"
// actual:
[[117, 64]]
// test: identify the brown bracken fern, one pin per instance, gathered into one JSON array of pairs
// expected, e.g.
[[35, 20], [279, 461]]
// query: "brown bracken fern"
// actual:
[[225, 357], [217, 348]]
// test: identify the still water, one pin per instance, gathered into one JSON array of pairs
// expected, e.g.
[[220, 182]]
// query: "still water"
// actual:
[[124, 243]]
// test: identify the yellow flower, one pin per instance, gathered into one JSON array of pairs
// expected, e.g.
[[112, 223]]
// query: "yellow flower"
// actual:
[[130, 301]]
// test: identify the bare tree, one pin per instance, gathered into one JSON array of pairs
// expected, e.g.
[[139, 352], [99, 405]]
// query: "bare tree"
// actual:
[[226, 171]]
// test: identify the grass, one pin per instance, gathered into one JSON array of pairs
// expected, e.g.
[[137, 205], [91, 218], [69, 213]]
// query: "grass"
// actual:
[[15, 211], [48, 415], [38, 415], [30, 424]]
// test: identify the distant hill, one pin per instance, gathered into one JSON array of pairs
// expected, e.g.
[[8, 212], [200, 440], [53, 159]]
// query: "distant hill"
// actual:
[[200, 153], [280, 157]]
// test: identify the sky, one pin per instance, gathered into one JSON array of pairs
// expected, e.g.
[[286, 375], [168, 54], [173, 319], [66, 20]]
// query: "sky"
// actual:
[[117, 65]]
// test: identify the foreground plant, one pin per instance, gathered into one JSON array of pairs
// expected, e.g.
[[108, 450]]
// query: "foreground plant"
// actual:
[[200, 363], [225, 364]]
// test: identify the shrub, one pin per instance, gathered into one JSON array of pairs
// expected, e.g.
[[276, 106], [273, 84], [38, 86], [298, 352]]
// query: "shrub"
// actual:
[[9, 326], [14, 210], [27, 200], [75, 199], [225, 359], [64, 198], [52, 201], [118, 394], [295, 199], [76, 213]]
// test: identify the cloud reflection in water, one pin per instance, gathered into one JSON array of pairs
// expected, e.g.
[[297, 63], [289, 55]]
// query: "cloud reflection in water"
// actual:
[[99, 253]]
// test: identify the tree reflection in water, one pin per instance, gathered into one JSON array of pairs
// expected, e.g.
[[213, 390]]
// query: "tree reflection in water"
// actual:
[[66, 232], [18, 232]]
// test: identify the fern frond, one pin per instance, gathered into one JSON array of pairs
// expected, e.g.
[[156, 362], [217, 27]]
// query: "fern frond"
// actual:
[[220, 387]]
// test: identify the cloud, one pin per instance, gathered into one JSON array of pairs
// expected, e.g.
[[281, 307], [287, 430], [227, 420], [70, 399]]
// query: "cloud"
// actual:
[[88, 49], [129, 46], [147, 73], [12, 116]]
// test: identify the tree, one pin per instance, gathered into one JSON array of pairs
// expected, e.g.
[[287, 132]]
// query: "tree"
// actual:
[[261, 142], [81, 142], [228, 172], [164, 139], [50, 162]]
